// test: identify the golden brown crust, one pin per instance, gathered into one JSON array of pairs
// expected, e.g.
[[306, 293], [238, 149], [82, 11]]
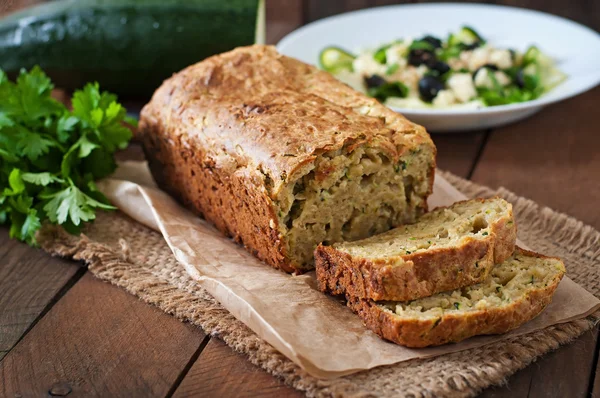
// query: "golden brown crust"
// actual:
[[417, 275], [505, 233], [238, 205], [226, 134], [412, 276], [276, 112], [454, 327]]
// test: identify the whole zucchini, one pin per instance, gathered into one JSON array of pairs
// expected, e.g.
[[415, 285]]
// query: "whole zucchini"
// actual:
[[128, 46]]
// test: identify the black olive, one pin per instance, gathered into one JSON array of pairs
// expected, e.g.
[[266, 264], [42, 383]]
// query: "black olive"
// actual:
[[491, 67], [374, 81], [434, 41], [419, 57], [520, 78], [439, 66], [429, 87]]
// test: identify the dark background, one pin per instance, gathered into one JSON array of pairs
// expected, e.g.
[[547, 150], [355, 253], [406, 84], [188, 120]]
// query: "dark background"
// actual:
[[283, 14]]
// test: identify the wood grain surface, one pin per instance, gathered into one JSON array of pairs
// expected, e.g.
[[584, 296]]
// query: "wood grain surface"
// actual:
[[221, 372], [62, 331], [30, 283], [99, 340], [595, 382]]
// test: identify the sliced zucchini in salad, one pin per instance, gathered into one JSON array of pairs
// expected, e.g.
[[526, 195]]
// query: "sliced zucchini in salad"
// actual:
[[462, 71], [334, 59], [538, 64], [466, 35], [532, 55]]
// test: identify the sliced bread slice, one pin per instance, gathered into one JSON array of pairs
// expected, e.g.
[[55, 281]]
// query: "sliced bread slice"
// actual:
[[516, 292], [446, 249]]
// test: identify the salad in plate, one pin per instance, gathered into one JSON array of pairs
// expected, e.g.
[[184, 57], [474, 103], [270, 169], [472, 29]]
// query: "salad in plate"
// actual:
[[463, 71]]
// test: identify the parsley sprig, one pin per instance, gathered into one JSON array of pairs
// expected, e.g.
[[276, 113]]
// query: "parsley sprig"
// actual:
[[50, 156]]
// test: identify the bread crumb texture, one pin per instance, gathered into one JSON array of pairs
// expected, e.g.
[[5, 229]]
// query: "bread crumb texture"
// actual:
[[441, 228], [516, 292], [446, 249], [510, 281]]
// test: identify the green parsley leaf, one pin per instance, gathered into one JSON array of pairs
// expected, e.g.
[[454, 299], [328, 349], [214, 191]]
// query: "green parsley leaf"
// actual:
[[16, 182], [20, 203], [29, 226], [36, 102], [50, 156], [5, 120], [99, 164], [86, 147], [85, 101], [74, 204], [42, 179], [65, 126], [34, 145]]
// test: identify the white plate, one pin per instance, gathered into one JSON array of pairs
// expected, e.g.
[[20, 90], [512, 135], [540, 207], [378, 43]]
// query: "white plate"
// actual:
[[575, 47]]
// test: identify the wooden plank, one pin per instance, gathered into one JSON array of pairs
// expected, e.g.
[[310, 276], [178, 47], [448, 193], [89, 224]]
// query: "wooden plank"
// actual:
[[318, 9], [567, 372], [563, 373], [517, 386], [100, 341], [582, 11], [595, 381], [552, 158], [457, 152], [221, 372], [30, 281], [585, 12], [283, 16]]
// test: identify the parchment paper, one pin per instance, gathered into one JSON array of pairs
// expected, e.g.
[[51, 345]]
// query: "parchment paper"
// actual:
[[315, 331]]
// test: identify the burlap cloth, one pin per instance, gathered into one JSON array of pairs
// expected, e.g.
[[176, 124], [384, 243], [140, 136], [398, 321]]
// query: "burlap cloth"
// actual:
[[127, 254]]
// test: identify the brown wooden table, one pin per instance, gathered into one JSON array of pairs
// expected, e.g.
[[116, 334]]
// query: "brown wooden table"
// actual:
[[62, 331]]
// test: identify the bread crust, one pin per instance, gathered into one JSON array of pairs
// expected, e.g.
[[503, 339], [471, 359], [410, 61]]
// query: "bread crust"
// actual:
[[453, 327], [224, 136], [417, 275]]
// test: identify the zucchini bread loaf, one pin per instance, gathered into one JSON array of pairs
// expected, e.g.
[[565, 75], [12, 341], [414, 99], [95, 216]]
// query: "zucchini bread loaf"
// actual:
[[446, 249], [281, 156]]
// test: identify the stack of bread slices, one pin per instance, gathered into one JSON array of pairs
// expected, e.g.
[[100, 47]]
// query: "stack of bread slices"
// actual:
[[453, 274]]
